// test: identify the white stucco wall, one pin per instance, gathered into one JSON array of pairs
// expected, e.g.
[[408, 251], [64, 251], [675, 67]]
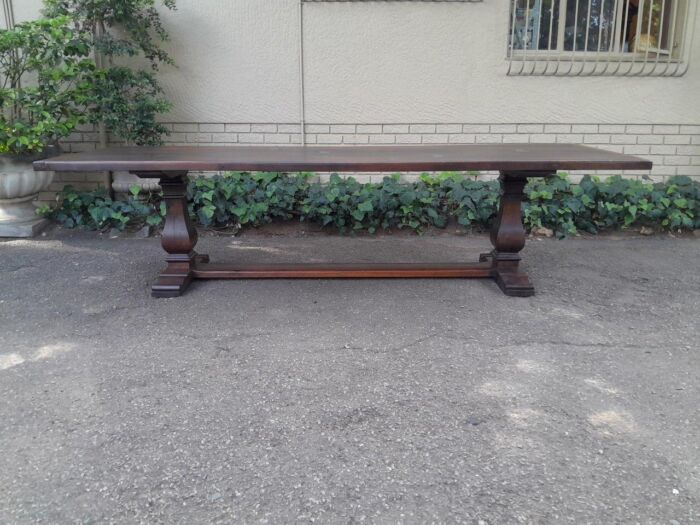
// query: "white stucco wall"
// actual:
[[445, 62], [402, 62], [237, 61]]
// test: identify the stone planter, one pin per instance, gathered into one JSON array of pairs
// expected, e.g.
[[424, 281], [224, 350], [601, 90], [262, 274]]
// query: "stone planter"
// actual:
[[19, 188], [123, 181]]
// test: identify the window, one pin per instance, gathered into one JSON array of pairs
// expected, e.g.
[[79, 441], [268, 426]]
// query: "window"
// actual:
[[598, 37]]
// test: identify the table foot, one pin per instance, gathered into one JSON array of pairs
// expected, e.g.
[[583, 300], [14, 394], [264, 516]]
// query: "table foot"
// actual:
[[201, 258], [170, 286], [177, 276], [514, 284]]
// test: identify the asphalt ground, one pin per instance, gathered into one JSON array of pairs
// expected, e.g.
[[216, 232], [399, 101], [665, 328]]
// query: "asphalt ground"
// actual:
[[379, 401]]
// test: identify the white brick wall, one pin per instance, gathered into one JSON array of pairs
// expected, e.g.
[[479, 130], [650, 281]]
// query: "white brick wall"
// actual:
[[674, 149]]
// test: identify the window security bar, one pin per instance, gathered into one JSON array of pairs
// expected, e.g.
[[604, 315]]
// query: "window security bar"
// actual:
[[600, 37]]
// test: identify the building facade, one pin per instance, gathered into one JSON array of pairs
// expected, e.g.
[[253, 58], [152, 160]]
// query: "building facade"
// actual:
[[622, 75]]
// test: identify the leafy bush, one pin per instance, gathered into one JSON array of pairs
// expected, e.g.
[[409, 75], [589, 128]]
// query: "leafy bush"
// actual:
[[96, 210], [124, 100], [128, 103], [350, 206], [246, 198], [616, 202], [42, 96], [121, 27], [471, 202]]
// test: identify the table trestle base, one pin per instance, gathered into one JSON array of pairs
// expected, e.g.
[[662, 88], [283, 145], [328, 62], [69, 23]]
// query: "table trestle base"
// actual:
[[185, 264]]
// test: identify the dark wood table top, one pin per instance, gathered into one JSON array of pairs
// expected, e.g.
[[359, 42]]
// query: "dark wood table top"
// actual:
[[500, 157]]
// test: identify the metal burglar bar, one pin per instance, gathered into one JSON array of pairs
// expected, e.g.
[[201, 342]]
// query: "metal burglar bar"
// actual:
[[600, 37], [9, 14]]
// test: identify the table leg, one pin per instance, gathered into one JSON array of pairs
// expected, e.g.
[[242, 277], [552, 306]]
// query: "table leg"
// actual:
[[508, 239], [179, 238]]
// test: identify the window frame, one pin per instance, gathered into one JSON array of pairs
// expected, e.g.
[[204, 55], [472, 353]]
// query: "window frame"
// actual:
[[664, 61]]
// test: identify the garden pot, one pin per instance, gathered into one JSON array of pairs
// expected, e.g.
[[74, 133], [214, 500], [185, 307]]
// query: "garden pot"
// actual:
[[19, 188], [123, 181]]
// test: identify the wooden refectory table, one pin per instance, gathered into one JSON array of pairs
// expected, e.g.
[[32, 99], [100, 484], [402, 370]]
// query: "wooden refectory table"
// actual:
[[515, 162]]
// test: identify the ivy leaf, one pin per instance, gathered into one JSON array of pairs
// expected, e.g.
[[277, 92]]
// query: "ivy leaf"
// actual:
[[366, 207], [407, 197], [240, 211]]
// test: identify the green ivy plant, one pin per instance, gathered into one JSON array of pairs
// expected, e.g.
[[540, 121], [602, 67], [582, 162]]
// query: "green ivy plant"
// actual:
[[96, 210], [433, 201], [246, 198], [125, 100], [43, 94], [617, 202], [470, 201]]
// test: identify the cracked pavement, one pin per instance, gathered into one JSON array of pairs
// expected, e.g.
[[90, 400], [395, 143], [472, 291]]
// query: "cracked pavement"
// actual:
[[387, 401]]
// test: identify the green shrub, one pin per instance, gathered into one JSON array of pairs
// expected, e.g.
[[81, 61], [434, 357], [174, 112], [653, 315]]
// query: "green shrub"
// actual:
[[616, 202], [351, 206], [246, 198], [42, 96], [124, 98], [469, 201], [96, 210]]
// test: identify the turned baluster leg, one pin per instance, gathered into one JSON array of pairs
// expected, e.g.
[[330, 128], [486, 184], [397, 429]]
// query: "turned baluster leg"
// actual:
[[178, 239], [508, 238]]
